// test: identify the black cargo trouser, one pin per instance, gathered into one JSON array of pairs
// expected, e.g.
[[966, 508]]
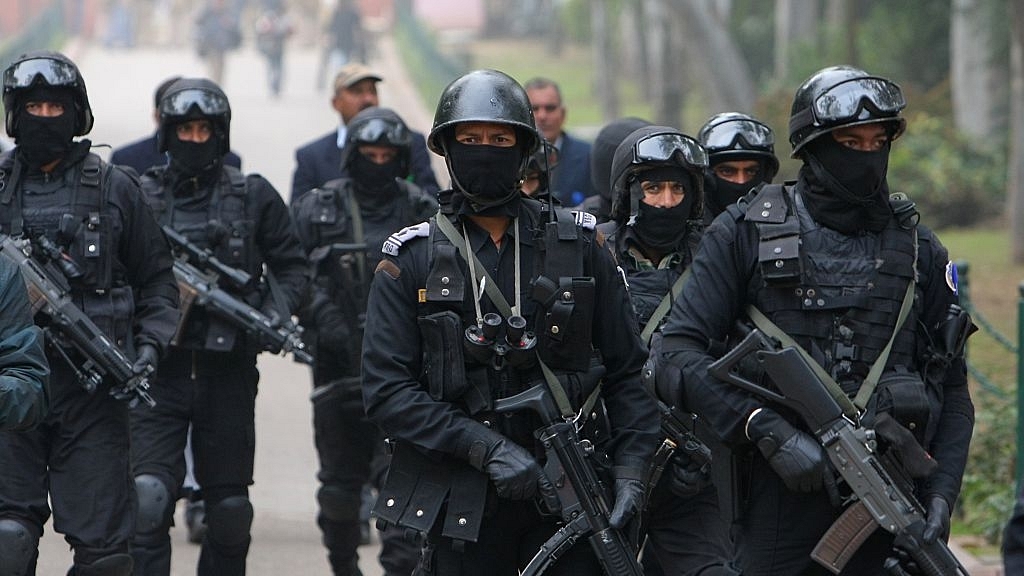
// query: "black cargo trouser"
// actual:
[[215, 392], [78, 458]]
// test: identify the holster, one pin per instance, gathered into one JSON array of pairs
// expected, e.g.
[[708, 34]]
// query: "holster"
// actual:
[[565, 333], [419, 490]]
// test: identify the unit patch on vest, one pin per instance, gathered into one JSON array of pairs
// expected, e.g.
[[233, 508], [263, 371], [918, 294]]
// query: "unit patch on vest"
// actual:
[[585, 219], [395, 241], [951, 277]]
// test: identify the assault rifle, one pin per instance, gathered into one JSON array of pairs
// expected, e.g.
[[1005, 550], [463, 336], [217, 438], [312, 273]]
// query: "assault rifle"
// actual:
[[677, 438], [46, 269], [584, 501], [198, 273], [882, 495]]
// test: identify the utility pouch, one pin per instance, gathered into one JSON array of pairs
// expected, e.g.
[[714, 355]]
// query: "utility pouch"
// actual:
[[566, 331], [903, 396], [443, 362]]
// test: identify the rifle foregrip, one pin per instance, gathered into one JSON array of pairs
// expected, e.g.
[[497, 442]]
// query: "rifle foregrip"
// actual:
[[844, 537], [614, 553], [935, 559]]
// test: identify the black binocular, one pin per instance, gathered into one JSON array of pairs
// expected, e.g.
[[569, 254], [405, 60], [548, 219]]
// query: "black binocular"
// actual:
[[486, 345]]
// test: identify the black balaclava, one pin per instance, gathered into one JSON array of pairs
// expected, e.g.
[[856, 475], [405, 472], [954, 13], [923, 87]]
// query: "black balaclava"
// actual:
[[847, 190], [662, 228], [719, 194], [374, 183], [194, 160], [486, 176], [42, 140]]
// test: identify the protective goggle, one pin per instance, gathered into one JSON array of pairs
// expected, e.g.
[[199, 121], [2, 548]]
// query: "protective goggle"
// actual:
[[662, 147], [207, 102], [26, 73], [738, 134], [848, 100], [378, 130]]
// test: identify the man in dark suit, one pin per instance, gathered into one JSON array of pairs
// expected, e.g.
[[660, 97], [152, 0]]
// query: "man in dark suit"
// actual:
[[355, 88], [570, 180], [142, 154]]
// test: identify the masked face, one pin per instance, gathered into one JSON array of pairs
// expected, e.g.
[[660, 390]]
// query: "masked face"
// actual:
[[46, 126], [193, 147], [485, 163], [375, 180], [853, 162]]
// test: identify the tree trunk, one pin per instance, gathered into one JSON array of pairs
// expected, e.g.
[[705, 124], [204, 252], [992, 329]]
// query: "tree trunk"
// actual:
[[605, 85], [1015, 160], [712, 60], [796, 21], [656, 37], [973, 76]]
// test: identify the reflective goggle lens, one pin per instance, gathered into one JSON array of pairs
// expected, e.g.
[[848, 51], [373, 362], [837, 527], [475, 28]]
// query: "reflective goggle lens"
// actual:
[[209, 103], [377, 129], [54, 72], [845, 101], [724, 136], [661, 148]]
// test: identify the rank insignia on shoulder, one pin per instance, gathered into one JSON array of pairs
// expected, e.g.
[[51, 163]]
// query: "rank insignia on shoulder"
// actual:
[[395, 241], [585, 219], [952, 279]]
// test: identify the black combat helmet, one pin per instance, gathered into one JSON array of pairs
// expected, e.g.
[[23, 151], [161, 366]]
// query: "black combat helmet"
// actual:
[[379, 126], [840, 96], [736, 136], [652, 147], [195, 99], [484, 96], [45, 68]]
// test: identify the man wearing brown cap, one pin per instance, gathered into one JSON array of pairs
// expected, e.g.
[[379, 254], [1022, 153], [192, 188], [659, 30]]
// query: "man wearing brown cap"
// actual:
[[355, 88]]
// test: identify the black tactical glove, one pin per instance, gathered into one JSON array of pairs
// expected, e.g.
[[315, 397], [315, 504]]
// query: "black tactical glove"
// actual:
[[688, 476], [937, 524], [794, 455], [514, 471], [629, 496], [145, 357]]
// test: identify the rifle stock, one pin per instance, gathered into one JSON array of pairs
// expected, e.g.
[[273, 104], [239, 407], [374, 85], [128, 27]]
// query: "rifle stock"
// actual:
[[851, 450], [584, 501], [49, 294]]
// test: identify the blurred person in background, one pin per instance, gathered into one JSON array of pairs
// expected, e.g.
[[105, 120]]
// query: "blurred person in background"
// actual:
[[273, 27], [344, 40], [217, 32]]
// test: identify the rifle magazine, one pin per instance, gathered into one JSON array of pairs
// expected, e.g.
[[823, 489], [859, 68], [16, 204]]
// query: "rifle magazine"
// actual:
[[844, 537]]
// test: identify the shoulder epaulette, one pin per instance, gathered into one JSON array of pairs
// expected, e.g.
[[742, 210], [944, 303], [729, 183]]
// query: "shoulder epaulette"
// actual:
[[584, 219], [394, 242]]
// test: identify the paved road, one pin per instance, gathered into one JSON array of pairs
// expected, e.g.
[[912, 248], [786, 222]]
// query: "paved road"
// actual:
[[265, 132]]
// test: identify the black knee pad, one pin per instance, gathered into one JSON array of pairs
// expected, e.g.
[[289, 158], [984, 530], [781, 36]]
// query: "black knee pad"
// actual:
[[113, 565], [17, 547], [156, 507], [338, 504], [229, 521]]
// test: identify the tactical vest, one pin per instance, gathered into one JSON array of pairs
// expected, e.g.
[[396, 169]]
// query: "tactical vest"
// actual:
[[649, 285], [347, 244], [838, 296], [223, 225], [86, 231], [559, 308]]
